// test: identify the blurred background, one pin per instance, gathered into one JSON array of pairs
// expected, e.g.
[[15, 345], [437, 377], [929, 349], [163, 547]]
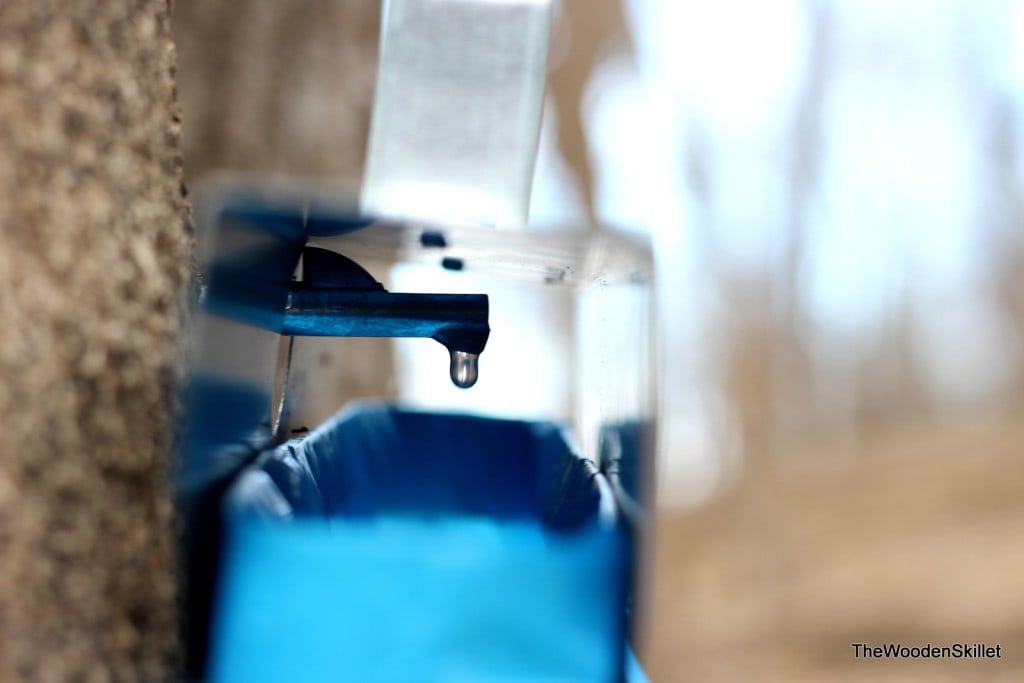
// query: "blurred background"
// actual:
[[835, 191]]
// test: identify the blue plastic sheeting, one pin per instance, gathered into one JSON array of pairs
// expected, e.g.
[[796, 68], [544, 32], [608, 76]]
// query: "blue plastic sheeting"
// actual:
[[622, 447], [227, 424], [413, 600], [634, 673], [392, 545]]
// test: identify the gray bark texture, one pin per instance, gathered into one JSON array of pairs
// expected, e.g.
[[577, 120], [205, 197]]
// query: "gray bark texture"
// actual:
[[94, 254]]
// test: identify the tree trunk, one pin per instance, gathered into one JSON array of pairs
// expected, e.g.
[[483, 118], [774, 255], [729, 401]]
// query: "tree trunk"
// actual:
[[94, 253]]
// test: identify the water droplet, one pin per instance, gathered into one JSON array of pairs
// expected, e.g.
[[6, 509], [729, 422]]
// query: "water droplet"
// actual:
[[464, 369]]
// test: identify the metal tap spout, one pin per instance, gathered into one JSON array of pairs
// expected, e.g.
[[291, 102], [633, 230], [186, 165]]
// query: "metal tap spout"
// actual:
[[338, 298]]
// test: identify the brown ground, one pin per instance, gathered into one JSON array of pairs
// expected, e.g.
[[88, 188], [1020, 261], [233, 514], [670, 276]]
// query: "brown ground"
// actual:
[[916, 537]]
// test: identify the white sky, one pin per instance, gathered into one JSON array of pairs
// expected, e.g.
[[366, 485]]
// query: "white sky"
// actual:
[[899, 205]]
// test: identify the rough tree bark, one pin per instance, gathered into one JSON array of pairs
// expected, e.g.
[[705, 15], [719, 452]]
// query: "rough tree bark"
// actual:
[[94, 250]]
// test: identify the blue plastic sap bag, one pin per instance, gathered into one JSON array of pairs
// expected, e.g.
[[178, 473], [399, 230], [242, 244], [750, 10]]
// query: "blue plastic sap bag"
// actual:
[[392, 545]]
